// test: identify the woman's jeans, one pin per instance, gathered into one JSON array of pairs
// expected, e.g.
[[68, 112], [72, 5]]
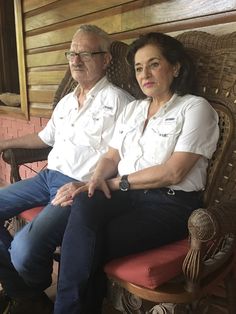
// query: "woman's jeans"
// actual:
[[101, 229], [26, 261]]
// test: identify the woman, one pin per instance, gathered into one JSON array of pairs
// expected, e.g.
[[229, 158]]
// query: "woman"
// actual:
[[148, 183]]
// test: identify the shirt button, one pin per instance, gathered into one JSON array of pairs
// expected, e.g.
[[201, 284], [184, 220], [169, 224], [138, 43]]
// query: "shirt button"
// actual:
[[72, 125]]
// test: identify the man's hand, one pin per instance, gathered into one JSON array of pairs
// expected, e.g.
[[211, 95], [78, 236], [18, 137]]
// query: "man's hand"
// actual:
[[67, 192]]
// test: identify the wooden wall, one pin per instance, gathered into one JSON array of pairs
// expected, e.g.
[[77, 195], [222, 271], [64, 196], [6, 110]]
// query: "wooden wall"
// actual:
[[50, 24]]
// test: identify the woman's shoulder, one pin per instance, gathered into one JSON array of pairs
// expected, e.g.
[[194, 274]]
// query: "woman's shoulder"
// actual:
[[197, 104], [133, 109], [189, 101], [193, 98], [137, 105]]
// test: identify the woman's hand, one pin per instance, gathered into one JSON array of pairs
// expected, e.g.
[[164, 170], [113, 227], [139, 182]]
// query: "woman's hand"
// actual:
[[67, 192], [98, 183]]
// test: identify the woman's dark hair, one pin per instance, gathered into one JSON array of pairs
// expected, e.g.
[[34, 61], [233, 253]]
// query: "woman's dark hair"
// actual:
[[174, 52]]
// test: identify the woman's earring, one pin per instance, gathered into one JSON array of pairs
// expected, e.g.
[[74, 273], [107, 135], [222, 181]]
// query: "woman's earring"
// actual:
[[176, 74]]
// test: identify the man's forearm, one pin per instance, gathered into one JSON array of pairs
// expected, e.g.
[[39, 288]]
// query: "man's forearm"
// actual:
[[26, 141]]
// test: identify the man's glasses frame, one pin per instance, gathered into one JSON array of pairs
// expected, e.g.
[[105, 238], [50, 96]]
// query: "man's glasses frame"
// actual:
[[83, 55]]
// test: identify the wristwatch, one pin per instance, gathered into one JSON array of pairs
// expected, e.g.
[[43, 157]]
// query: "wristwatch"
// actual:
[[124, 183]]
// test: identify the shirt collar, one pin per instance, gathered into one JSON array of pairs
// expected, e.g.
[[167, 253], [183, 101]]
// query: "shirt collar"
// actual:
[[163, 109], [170, 102], [94, 90]]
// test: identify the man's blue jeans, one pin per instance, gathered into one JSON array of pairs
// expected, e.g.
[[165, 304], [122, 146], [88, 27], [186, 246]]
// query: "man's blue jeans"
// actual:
[[26, 261], [101, 229]]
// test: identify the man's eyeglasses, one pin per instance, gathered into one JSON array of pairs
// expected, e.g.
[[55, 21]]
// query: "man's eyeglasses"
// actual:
[[84, 55]]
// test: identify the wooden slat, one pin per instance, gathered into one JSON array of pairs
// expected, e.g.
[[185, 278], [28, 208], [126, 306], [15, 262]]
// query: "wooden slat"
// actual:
[[62, 46], [45, 78], [29, 5], [65, 10], [45, 106], [39, 112], [12, 111], [179, 26], [42, 96], [47, 58], [172, 11]]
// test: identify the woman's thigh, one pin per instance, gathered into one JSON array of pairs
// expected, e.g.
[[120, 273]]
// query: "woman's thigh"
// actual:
[[154, 219]]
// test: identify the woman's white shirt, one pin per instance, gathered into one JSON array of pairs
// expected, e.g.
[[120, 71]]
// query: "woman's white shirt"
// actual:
[[184, 124]]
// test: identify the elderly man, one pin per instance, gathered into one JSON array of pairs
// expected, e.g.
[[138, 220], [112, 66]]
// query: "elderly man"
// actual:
[[79, 131]]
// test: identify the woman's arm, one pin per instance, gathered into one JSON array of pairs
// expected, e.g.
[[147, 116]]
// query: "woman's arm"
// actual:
[[171, 172], [106, 168]]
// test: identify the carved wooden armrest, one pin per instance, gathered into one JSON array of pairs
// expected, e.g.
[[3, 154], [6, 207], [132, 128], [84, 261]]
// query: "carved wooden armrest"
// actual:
[[212, 234], [19, 156]]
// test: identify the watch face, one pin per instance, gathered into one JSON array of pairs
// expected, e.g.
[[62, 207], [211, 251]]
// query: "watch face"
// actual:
[[124, 184]]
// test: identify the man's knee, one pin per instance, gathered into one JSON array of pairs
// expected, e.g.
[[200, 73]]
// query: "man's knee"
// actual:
[[21, 254]]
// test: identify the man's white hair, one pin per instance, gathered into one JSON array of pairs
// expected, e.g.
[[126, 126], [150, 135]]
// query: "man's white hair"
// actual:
[[105, 41]]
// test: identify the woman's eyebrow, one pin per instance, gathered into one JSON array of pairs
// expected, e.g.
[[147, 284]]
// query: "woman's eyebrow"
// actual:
[[150, 60]]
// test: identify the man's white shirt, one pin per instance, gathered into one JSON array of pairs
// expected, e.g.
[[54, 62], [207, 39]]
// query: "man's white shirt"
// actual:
[[80, 135]]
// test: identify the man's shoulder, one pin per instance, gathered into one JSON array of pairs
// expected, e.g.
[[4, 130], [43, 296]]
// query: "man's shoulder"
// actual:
[[65, 101], [115, 90]]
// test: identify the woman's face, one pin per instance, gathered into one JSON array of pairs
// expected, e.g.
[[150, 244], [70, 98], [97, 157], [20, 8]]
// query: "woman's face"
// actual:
[[153, 72]]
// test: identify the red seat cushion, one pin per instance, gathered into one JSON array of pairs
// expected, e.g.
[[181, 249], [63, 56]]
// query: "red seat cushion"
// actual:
[[30, 214], [150, 268]]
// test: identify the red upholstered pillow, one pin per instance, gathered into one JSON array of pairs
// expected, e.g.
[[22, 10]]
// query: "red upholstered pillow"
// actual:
[[29, 214], [150, 268]]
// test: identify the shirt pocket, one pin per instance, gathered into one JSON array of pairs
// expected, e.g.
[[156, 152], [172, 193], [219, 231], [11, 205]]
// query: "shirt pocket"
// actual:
[[168, 129], [62, 127], [92, 129], [163, 140]]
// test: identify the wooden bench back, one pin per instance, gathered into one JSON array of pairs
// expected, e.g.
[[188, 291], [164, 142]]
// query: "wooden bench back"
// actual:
[[215, 61]]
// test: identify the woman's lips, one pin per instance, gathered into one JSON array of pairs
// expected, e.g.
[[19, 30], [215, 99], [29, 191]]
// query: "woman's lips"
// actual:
[[148, 84]]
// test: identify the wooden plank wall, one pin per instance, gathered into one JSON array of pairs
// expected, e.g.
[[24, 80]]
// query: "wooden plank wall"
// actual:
[[50, 24]]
